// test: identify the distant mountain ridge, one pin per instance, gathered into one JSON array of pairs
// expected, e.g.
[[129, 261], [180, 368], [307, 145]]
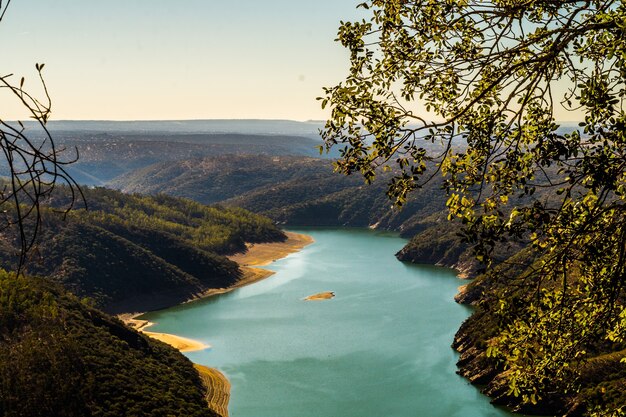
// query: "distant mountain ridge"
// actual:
[[104, 157], [244, 126], [203, 126], [108, 149], [291, 190]]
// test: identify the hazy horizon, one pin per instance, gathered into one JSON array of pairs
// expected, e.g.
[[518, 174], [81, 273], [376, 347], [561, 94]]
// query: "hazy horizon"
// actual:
[[158, 60], [154, 59]]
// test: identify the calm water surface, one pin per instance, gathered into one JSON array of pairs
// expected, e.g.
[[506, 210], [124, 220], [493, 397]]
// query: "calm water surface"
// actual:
[[380, 348]]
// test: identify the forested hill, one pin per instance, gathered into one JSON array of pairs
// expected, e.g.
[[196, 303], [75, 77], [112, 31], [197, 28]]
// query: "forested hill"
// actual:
[[104, 156], [600, 372], [290, 190], [298, 191], [62, 358], [107, 149], [217, 178], [131, 252]]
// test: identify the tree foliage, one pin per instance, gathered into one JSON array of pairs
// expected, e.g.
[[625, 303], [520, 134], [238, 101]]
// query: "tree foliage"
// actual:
[[131, 250], [60, 357], [491, 78]]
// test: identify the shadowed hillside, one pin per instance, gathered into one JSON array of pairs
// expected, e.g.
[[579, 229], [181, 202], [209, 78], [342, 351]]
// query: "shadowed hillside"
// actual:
[[290, 190], [134, 253], [59, 357]]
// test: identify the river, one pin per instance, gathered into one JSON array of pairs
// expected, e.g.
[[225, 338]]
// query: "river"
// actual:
[[380, 348]]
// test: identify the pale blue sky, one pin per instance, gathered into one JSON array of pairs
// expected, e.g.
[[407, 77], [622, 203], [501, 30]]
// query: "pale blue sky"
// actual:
[[184, 59]]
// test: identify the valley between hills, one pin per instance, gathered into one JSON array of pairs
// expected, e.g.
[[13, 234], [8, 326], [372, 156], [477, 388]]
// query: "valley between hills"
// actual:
[[175, 215]]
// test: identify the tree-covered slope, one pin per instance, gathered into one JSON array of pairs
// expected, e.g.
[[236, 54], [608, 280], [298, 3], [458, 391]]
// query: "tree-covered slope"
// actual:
[[104, 156], [332, 200], [599, 375], [130, 252], [290, 190], [60, 357], [439, 242], [212, 179]]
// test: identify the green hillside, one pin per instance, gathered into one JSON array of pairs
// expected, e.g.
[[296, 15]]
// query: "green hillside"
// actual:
[[60, 357], [132, 253], [440, 243], [105, 156], [289, 190], [601, 376]]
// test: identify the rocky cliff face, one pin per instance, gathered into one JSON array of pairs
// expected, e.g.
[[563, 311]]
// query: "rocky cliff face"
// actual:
[[439, 243], [602, 378], [473, 364]]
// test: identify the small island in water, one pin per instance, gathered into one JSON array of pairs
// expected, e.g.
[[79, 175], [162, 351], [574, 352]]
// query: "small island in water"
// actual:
[[327, 295]]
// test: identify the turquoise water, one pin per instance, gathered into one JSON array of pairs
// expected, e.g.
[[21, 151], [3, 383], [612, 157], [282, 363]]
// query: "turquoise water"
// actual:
[[380, 348]]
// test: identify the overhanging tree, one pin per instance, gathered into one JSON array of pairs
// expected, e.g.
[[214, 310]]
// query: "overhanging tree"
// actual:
[[489, 78], [33, 163]]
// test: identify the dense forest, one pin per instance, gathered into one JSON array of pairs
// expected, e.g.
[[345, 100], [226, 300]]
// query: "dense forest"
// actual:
[[136, 252], [61, 357], [289, 190]]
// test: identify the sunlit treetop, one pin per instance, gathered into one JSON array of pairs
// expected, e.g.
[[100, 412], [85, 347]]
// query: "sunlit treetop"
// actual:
[[489, 74], [470, 90]]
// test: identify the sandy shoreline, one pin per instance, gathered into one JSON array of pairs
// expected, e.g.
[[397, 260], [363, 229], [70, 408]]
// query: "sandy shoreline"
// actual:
[[181, 343], [257, 255], [218, 388], [260, 254]]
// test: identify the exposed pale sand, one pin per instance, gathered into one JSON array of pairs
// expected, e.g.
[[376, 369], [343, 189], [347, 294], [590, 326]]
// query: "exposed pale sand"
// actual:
[[218, 389], [257, 255], [131, 320], [183, 344], [250, 276], [460, 292], [260, 254], [327, 295]]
